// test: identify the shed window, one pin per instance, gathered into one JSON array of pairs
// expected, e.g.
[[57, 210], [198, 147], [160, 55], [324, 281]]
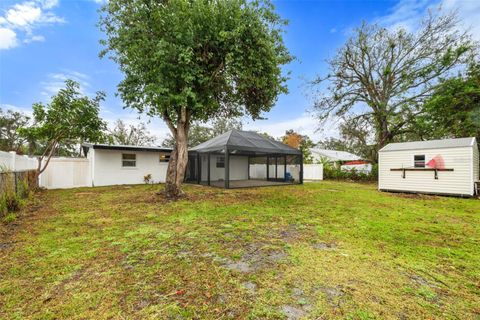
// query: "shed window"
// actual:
[[164, 157], [220, 162], [129, 160], [419, 161]]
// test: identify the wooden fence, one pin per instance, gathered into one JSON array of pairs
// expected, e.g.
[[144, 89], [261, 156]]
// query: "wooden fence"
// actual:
[[18, 182]]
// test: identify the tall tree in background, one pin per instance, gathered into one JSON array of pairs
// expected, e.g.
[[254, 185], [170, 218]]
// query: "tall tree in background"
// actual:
[[222, 125], [130, 135], [453, 111], [70, 118], [10, 122], [188, 61], [301, 142], [199, 133], [384, 77]]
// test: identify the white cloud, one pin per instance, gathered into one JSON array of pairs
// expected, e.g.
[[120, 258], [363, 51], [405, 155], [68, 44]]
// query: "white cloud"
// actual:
[[8, 39], [23, 18], [409, 13], [305, 124], [28, 111], [48, 4], [34, 38], [23, 14], [56, 81]]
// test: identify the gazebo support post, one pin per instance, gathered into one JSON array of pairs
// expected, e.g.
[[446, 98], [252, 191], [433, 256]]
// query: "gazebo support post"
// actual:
[[199, 177], [227, 169], [301, 168], [285, 168], [276, 168], [208, 168], [268, 168], [248, 167]]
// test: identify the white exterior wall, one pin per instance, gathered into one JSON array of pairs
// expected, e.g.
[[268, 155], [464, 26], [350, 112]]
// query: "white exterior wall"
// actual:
[[457, 182], [107, 167], [476, 163], [238, 168]]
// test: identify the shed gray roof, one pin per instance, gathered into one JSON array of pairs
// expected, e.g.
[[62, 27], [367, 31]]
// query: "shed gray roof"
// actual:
[[430, 144], [248, 141]]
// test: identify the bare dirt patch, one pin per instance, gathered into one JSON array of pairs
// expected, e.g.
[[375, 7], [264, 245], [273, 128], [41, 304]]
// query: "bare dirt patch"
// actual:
[[256, 257], [293, 313]]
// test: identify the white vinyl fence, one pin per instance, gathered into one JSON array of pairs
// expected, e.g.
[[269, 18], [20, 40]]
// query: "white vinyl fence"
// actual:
[[64, 173], [313, 171], [10, 161]]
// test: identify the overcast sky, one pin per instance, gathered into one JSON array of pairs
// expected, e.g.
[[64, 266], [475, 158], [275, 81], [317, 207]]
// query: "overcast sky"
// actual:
[[44, 42]]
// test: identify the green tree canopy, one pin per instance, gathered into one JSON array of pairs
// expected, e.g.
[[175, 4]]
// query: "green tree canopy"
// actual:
[[130, 134], [384, 76], [10, 122], [199, 133], [187, 61], [453, 111], [70, 118], [301, 142]]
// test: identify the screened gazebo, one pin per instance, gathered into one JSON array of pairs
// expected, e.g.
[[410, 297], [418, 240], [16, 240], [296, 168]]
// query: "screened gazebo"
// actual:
[[238, 159]]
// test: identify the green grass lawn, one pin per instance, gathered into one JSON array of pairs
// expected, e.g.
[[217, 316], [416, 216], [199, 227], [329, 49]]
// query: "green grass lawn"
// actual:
[[317, 251]]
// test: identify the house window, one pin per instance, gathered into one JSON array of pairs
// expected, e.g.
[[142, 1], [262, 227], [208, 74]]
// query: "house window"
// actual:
[[419, 161], [164, 157], [129, 160], [220, 162]]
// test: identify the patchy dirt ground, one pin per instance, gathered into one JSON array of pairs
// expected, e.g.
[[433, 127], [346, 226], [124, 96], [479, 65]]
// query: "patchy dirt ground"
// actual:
[[327, 250]]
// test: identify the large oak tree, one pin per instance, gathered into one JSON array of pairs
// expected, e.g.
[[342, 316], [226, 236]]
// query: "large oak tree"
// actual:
[[383, 76], [195, 60]]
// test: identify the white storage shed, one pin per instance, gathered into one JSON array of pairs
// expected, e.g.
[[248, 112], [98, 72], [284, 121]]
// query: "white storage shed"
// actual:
[[447, 167]]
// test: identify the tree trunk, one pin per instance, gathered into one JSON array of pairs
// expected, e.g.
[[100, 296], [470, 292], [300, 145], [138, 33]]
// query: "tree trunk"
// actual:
[[177, 163]]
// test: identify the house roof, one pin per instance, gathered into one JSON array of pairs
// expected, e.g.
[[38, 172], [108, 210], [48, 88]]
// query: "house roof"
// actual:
[[334, 155], [430, 144], [126, 148], [246, 141]]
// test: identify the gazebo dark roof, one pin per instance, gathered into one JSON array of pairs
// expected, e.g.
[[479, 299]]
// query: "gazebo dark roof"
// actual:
[[244, 141]]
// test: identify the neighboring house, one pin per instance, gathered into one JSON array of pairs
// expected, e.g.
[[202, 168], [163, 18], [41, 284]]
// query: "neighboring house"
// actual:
[[448, 167], [360, 166], [333, 156], [116, 164], [232, 160]]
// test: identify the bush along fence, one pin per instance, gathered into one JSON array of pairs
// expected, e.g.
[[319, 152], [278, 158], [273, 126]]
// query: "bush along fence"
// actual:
[[332, 172], [18, 178]]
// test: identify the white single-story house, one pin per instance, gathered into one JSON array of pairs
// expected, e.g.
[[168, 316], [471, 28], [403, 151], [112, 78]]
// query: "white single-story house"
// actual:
[[446, 167], [233, 159], [117, 164]]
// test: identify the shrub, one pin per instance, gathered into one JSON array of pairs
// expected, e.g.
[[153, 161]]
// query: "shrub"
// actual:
[[148, 178], [9, 202], [336, 173], [10, 217], [23, 190]]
